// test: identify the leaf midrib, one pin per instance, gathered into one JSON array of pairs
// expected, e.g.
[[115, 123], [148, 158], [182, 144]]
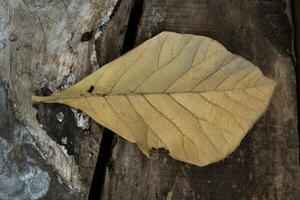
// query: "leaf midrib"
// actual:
[[145, 93]]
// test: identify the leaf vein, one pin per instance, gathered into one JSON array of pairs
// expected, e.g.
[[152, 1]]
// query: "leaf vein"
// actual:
[[134, 108], [118, 116], [161, 67], [240, 103], [214, 72], [191, 67], [248, 74], [230, 113], [178, 103], [183, 136], [129, 67], [227, 77], [258, 99]]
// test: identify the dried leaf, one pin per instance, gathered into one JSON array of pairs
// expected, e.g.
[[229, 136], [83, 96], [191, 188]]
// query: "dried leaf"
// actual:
[[182, 92]]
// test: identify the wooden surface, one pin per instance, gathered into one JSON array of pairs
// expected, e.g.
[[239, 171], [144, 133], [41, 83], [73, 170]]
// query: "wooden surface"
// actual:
[[265, 166], [49, 45], [296, 20], [46, 46]]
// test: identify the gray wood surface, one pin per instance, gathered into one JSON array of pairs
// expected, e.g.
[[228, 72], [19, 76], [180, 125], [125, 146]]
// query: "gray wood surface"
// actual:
[[46, 46]]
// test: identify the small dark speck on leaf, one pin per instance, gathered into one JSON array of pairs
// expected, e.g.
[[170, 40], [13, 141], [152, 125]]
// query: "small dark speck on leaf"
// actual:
[[86, 36], [91, 89]]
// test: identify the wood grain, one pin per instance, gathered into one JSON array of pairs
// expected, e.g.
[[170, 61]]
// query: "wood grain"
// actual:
[[46, 46], [265, 166]]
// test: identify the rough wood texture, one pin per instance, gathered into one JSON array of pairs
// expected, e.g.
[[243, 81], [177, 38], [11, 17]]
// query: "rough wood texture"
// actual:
[[296, 20], [109, 45], [265, 166], [49, 45], [46, 46]]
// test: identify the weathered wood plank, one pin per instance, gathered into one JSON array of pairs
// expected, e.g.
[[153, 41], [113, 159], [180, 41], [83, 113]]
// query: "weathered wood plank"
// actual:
[[265, 166], [47, 46], [109, 45], [296, 20]]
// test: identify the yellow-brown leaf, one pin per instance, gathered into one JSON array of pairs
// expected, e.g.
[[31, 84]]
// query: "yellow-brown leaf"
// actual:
[[182, 92]]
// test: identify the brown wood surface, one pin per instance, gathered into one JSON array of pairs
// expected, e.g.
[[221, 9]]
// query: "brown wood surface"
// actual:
[[265, 165], [48, 45]]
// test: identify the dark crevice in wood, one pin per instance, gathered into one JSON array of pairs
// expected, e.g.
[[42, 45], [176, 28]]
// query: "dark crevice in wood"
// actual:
[[62, 132], [133, 23], [104, 156], [107, 142], [296, 23]]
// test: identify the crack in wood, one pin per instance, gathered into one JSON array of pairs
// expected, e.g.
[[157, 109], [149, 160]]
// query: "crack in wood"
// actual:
[[107, 142]]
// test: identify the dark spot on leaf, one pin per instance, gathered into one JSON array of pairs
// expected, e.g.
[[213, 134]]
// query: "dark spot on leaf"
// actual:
[[86, 36], [91, 89]]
